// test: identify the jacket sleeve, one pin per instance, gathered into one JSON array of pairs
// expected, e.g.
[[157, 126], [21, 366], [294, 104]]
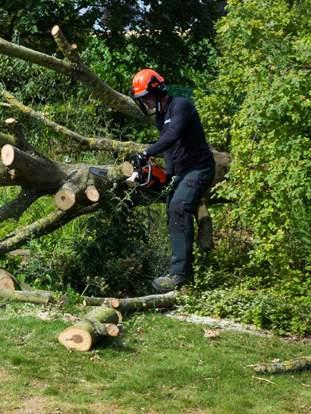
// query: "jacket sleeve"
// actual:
[[168, 163], [180, 115]]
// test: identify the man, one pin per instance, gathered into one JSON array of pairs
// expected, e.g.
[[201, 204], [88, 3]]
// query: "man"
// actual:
[[189, 161]]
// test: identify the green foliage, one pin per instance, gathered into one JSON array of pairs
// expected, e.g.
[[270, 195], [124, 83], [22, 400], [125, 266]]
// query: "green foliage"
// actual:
[[253, 94], [259, 109], [113, 252]]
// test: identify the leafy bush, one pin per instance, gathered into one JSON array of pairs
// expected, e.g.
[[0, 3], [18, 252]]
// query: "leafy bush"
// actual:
[[258, 108]]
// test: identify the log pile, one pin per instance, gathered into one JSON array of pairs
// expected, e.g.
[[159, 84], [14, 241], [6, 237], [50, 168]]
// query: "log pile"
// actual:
[[103, 321]]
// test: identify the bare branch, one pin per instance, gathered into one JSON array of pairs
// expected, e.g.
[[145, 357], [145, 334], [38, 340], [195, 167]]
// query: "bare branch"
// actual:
[[69, 51], [20, 140]]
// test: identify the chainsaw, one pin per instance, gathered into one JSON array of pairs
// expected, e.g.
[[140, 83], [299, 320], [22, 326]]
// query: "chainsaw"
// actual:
[[146, 175]]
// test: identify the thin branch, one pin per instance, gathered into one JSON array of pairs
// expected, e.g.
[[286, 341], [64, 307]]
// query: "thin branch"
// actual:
[[15, 208], [20, 140], [45, 225], [91, 143], [112, 98], [70, 51]]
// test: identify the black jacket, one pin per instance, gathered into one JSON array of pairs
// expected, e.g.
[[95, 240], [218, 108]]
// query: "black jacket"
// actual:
[[182, 139]]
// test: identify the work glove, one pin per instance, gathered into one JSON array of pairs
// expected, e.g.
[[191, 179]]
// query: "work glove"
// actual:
[[139, 159]]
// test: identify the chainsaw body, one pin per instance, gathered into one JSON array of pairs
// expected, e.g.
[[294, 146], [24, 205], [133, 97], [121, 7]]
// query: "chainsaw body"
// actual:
[[146, 176], [150, 176]]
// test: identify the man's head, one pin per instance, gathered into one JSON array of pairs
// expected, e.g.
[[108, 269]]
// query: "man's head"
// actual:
[[148, 89]]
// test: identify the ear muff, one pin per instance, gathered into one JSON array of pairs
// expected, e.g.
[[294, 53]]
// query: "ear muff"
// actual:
[[156, 87]]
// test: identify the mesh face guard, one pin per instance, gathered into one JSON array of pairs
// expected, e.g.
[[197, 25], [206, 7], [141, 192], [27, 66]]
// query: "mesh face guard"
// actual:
[[148, 82]]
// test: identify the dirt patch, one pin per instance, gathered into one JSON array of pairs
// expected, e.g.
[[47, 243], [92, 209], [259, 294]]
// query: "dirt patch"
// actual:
[[3, 374], [45, 405]]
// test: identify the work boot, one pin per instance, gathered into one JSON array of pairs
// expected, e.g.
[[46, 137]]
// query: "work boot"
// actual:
[[168, 283]]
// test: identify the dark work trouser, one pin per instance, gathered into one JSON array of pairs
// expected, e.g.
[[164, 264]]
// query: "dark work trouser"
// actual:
[[181, 206]]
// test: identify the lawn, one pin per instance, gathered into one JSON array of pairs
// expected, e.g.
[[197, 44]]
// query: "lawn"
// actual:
[[159, 365]]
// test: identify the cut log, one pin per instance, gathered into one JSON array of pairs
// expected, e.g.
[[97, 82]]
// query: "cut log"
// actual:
[[275, 367], [92, 193], [161, 301], [6, 280], [34, 170], [70, 51], [96, 325], [95, 301], [72, 190], [37, 297]]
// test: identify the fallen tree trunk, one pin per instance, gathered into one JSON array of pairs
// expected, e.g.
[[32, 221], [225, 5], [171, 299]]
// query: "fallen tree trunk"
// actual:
[[276, 367], [30, 296], [97, 324]]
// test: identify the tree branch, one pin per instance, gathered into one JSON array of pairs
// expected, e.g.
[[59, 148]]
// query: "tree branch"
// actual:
[[19, 138], [45, 225], [15, 208], [90, 143], [77, 71]]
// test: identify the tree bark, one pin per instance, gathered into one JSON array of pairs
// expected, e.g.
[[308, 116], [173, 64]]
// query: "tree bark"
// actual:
[[34, 171], [97, 324], [130, 305], [37, 297], [160, 301], [6, 280], [76, 71]]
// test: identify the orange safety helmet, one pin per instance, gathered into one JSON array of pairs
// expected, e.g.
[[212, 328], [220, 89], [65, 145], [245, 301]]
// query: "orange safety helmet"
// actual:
[[148, 81]]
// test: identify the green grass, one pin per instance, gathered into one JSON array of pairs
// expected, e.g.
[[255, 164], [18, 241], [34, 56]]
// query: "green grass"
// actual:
[[159, 366]]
